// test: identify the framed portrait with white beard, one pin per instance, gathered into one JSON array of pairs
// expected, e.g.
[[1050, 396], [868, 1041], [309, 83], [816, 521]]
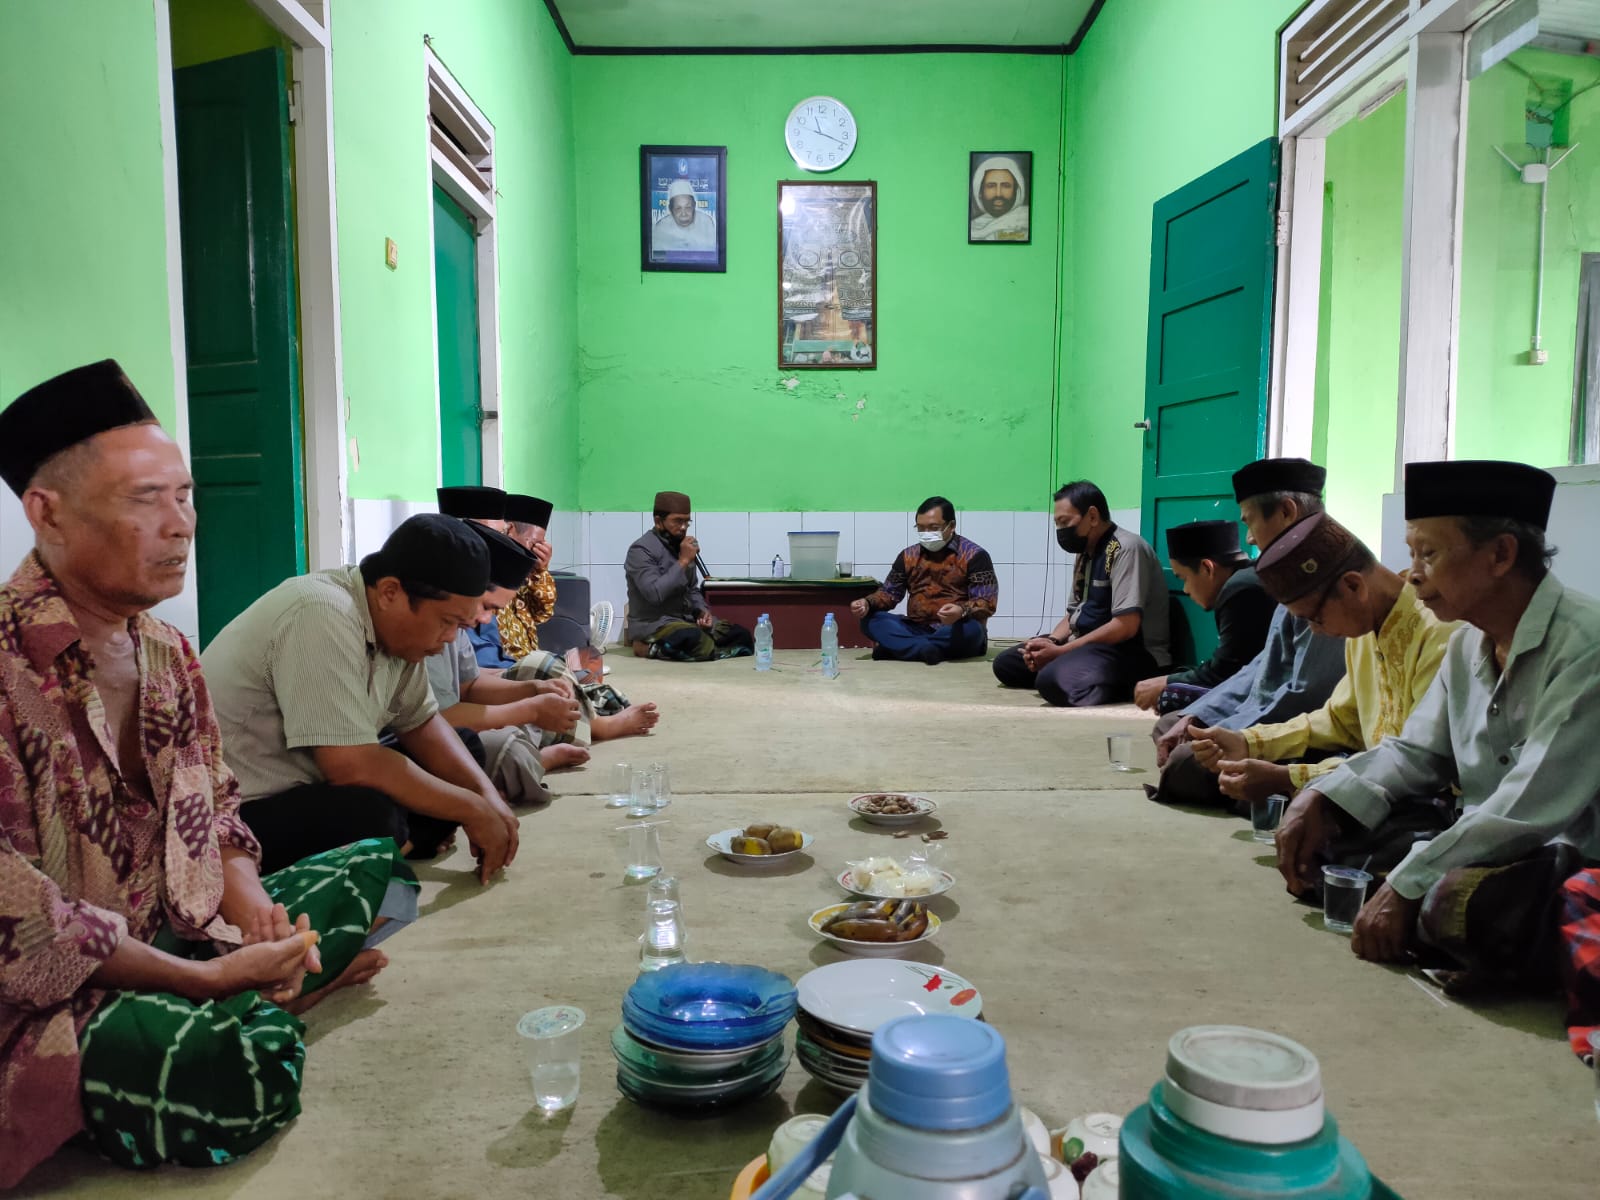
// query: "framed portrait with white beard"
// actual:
[[683, 204], [999, 187]]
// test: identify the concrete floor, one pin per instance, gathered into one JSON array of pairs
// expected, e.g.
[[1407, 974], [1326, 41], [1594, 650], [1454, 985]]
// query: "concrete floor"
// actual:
[[1094, 923]]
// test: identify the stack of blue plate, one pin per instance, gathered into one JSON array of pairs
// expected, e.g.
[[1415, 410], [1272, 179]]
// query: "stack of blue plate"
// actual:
[[699, 1037]]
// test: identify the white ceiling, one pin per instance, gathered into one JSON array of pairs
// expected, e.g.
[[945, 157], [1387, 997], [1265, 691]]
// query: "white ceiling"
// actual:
[[1575, 18], [650, 24]]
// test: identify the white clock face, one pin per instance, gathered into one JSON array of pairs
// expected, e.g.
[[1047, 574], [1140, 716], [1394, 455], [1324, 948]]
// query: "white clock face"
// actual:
[[820, 133]]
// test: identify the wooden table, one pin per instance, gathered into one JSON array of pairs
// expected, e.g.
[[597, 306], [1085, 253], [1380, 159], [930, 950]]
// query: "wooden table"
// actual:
[[797, 607]]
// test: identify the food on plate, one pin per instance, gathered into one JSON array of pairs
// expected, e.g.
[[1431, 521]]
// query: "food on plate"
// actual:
[[783, 841], [889, 877], [745, 844], [761, 829], [889, 804], [880, 921], [764, 837]]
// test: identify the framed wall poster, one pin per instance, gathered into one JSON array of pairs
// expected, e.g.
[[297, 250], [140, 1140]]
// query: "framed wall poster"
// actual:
[[999, 184], [683, 205], [827, 275]]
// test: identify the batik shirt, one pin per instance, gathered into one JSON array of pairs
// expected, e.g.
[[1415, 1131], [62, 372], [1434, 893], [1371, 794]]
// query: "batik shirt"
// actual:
[[531, 607], [961, 574], [1386, 675], [86, 857], [1518, 743]]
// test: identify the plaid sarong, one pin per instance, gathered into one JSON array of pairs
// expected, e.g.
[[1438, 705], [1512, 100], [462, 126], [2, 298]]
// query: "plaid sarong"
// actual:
[[164, 1079], [1580, 957], [685, 641]]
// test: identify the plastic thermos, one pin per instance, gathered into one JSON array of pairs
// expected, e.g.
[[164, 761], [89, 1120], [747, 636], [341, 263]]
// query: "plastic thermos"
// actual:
[[1239, 1116]]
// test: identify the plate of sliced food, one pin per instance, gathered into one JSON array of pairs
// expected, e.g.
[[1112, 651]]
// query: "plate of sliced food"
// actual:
[[760, 843], [892, 808], [894, 879], [875, 927]]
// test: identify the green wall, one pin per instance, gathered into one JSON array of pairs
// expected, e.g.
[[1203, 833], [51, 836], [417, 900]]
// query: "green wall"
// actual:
[[1358, 350], [679, 382], [509, 58], [83, 271], [1160, 92], [1506, 408]]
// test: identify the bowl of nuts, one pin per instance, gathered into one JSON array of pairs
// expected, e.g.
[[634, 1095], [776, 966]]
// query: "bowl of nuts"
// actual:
[[892, 808]]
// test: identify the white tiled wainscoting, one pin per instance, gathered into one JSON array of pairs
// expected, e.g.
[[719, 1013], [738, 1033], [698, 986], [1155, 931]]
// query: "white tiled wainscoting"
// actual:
[[1032, 569]]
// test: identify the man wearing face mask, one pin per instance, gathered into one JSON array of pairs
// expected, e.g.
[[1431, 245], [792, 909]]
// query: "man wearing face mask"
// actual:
[[950, 589], [668, 616], [1115, 630]]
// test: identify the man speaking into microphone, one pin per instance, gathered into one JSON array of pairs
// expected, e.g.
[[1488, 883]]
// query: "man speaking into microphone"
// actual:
[[668, 617]]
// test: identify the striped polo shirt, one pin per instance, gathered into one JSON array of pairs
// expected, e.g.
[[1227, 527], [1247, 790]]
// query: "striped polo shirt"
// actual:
[[301, 668]]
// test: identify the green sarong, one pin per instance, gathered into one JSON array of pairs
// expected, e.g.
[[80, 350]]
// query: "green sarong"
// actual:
[[164, 1079]]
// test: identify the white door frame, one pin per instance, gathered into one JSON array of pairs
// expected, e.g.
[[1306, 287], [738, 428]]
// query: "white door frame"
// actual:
[[304, 23]]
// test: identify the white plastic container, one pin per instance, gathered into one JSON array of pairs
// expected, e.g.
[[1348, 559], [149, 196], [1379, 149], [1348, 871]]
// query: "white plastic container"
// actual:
[[814, 554]]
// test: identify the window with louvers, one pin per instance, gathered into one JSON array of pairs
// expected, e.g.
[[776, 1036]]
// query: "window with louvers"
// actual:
[[1327, 40]]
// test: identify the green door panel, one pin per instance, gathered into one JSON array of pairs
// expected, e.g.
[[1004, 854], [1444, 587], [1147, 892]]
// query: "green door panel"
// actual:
[[235, 214], [455, 272], [1212, 260]]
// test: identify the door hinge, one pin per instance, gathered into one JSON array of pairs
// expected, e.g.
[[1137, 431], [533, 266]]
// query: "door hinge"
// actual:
[[1283, 227], [294, 102]]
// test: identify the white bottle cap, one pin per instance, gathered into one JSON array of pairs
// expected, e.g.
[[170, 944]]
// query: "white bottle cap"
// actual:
[[1244, 1084]]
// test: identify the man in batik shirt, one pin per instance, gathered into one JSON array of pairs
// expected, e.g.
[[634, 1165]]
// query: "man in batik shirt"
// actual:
[[143, 959]]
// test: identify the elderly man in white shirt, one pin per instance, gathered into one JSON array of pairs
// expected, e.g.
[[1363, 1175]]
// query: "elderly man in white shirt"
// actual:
[[1509, 721]]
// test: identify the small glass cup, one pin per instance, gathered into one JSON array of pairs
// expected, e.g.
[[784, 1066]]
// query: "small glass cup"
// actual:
[[640, 847], [661, 777], [1119, 749], [1344, 891], [643, 792], [621, 786], [663, 936], [663, 887], [550, 1039], [1265, 813]]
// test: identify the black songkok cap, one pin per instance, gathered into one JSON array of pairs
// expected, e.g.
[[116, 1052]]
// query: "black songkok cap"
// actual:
[[1480, 488], [473, 503], [528, 510], [61, 412], [435, 550], [1216, 540], [1278, 475], [509, 563]]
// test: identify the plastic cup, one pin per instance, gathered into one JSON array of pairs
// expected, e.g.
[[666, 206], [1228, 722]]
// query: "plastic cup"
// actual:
[[1265, 814], [550, 1039], [1119, 749], [1344, 890], [621, 786]]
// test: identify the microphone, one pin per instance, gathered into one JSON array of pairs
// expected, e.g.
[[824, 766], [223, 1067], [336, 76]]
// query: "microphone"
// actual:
[[700, 565]]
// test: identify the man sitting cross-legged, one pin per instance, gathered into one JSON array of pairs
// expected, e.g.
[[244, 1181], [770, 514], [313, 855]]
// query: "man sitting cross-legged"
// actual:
[[1115, 630], [1217, 575], [1296, 670], [309, 679], [950, 590], [149, 975], [1511, 722], [1322, 572], [668, 616]]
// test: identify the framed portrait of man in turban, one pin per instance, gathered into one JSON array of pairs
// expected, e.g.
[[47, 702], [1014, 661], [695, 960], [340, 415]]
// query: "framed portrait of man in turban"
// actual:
[[999, 185], [683, 204]]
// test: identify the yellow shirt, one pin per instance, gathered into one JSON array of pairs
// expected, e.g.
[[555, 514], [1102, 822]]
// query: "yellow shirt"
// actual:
[[1385, 675]]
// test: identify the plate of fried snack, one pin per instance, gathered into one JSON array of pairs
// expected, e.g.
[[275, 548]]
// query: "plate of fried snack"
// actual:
[[875, 927], [892, 808], [759, 844], [892, 879]]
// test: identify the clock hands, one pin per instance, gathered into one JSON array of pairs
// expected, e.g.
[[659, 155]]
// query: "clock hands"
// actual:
[[829, 136]]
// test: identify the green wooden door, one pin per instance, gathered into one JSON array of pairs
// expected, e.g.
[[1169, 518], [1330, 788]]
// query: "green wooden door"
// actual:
[[239, 322], [455, 274], [1212, 259]]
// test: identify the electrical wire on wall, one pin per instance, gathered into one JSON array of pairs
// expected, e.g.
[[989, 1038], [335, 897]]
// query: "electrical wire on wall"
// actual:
[[1053, 482]]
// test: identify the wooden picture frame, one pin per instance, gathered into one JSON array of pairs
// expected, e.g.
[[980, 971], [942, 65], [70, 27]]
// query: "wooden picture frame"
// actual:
[[827, 275], [666, 241], [1003, 219]]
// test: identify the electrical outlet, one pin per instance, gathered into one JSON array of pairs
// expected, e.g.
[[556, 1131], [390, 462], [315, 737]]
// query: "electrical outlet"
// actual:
[[391, 254]]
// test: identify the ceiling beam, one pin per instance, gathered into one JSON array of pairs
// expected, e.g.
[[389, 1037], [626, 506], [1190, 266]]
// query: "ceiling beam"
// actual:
[[561, 25], [941, 48], [1083, 29]]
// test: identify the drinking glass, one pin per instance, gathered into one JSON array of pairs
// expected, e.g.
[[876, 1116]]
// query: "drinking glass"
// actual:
[[643, 792], [640, 847], [1119, 749], [550, 1039], [663, 784], [621, 786], [663, 936], [663, 887], [1265, 814], [1344, 890]]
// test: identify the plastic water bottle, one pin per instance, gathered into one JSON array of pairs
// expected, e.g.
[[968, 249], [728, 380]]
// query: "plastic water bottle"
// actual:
[[764, 643], [830, 648]]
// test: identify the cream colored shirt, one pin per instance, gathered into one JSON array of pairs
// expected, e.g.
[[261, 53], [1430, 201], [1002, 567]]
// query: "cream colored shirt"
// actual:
[[301, 668], [1386, 674]]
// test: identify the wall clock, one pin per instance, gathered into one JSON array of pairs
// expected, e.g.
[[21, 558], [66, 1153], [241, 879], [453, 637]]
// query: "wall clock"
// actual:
[[820, 134]]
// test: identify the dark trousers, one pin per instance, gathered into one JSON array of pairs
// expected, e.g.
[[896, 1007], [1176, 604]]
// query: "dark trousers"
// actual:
[[1082, 678], [911, 641], [314, 817], [560, 634]]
